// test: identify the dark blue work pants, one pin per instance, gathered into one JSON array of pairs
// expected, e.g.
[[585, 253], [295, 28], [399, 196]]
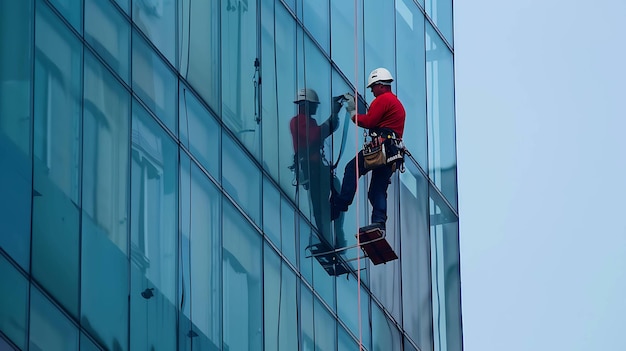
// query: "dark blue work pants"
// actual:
[[377, 193]]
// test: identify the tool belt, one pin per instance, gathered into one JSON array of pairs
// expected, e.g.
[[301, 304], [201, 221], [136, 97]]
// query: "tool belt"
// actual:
[[384, 148]]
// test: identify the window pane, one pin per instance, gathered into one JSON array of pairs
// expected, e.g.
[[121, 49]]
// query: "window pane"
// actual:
[[279, 220], [345, 341], [16, 59], [109, 33], [441, 132], [201, 258], [125, 5], [199, 131], [385, 335], [318, 326], [279, 55], [311, 141], [199, 36], [411, 78], [348, 308], [380, 47], [271, 212], [239, 91], [154, 228], [106, 152], [280, 302], [440, 11], [104, 284], [154, 82], [444, 237], [241, 178], [71, 10], [311, 269], [86, 344], [157, 20], [13, 303], [57, 138], [5, 346], [49, 328], [415, 258], [343, 41], [317, 21], [243, 290]]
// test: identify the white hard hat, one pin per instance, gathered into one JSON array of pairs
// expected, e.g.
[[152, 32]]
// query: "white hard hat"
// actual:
[[379, 75], [306, 94]]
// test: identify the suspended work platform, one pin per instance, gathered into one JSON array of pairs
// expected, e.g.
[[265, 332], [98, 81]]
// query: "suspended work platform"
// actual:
[[372, 241], [375, 246]]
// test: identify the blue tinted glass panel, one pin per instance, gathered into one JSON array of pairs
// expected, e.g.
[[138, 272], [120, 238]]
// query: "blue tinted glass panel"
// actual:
[[271, 212], [201, 257], [13, 303], [313, 270], [288, 229], [105, 270], [106, 152], [280, 302], [125, 5], [154, 228], [440, 11], [104, 287], [154, 82], [348, 308], [107, 31], [379, 44], [444, 238], [16, 59], [199, 131], [241, 178], [344, 39], [318, 326], [279, 55], [239, 91], [49, 328], [385, 335], [157, 20], [306, 124], [199, 37], [57, 148], [346, 141], [243, 285], [411, 77], [345, 341], [87, 344], [5, 346], [441, 122], [410, 347], [415, 257], [71, 10], [317, 20]]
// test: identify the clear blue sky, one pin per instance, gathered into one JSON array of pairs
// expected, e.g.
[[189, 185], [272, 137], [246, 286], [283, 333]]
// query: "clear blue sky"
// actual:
[[541, 138]]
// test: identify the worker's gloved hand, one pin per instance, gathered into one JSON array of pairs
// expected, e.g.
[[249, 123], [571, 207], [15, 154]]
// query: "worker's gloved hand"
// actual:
[[350, 104]]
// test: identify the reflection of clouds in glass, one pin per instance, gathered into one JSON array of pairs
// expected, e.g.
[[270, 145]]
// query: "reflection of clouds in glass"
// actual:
[[405, 13]]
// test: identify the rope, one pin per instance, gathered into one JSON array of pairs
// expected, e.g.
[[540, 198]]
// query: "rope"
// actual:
[[356, 119]]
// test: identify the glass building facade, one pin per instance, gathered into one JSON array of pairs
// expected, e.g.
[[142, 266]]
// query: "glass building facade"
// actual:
[[147, 200]]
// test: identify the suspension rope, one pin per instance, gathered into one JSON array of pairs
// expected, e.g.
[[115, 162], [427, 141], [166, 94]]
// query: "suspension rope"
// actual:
[[356, 132]]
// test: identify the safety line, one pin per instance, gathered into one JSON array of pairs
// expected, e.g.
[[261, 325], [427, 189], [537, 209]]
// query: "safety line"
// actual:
[[356, 142]]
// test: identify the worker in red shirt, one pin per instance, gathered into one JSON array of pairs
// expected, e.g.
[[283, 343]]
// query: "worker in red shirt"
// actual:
[[385, 118], [311, 169]]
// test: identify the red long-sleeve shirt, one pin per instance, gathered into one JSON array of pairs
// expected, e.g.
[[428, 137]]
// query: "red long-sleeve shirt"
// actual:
[[306, 136], [386, 111]]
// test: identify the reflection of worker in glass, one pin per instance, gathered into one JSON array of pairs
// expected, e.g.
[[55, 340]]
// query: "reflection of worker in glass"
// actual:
[[310, 166]]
